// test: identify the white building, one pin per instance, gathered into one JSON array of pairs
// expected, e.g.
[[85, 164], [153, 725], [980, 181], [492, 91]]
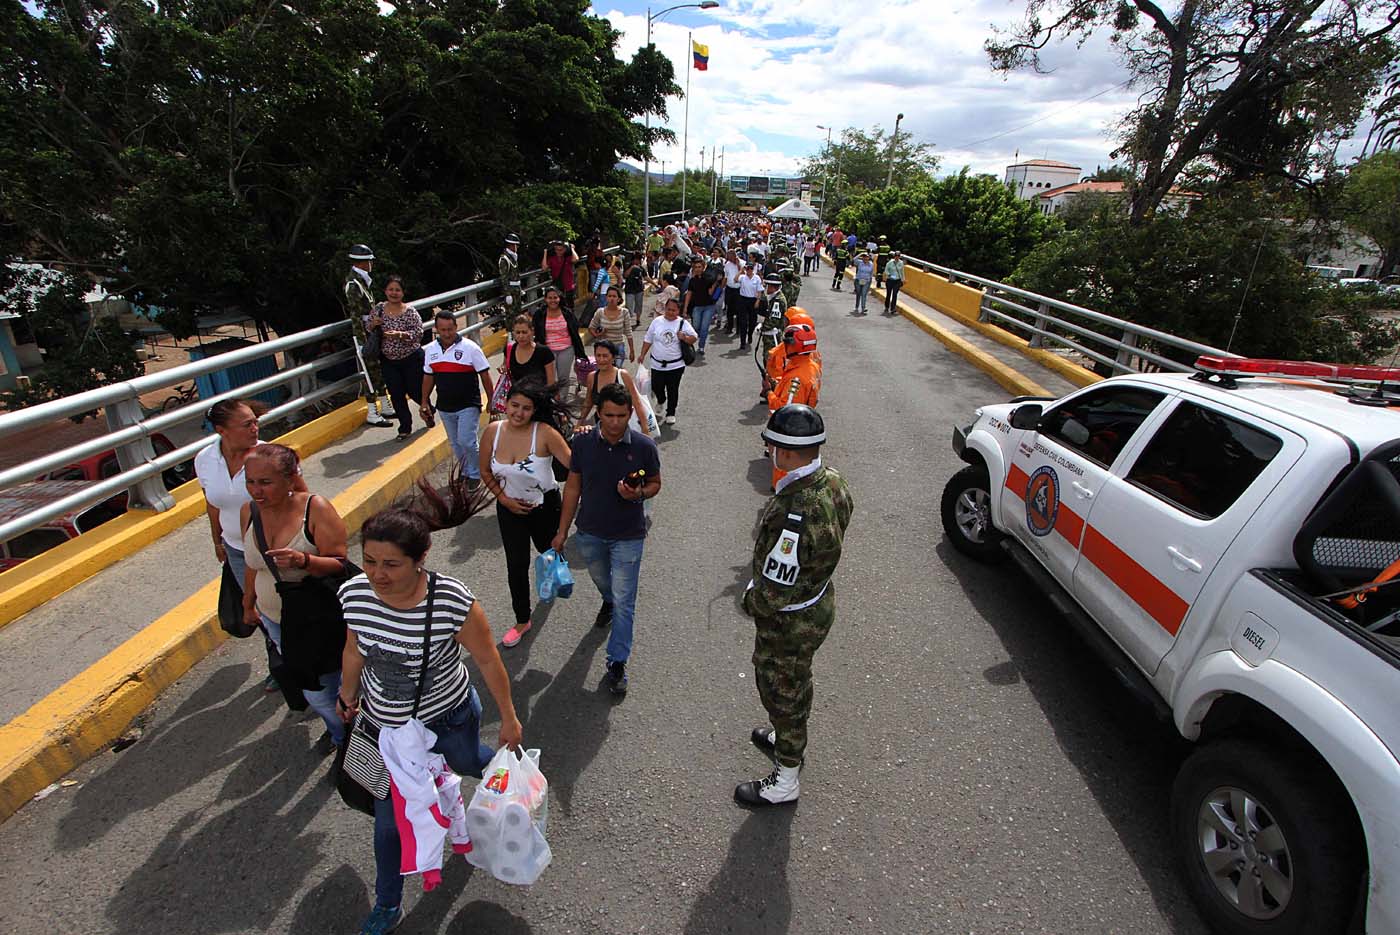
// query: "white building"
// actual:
[[1031, 178]]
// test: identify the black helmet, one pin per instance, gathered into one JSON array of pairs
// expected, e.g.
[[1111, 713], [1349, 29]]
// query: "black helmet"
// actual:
[[361, 252], [512, 240], [795, 426], [772, 279]]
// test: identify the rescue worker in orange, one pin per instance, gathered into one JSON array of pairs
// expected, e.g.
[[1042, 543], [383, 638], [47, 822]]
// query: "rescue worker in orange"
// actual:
[[777, 357], [801, 377]]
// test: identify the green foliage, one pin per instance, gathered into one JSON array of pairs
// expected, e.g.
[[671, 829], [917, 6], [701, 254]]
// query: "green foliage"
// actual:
[[1191, 275], [667, 198], [969, 222], [80, 353], [859, 162], [1371, 203], [222, 154]]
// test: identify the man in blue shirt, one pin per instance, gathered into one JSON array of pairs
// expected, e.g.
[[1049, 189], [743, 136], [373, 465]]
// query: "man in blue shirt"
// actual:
[[612, 471]]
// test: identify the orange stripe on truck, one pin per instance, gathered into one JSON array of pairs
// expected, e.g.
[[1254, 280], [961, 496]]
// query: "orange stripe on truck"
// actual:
[[1159, 601]]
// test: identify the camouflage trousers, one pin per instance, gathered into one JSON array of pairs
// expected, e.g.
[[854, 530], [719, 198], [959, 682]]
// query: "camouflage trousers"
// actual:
[[371, 361], [782, 664]]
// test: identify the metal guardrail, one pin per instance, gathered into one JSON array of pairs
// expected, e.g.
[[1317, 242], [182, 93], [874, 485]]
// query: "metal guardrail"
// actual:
[[131, 427], [1123, 339]]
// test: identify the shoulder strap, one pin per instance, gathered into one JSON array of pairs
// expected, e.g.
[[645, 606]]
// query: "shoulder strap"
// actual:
[[256, 518], [427, 644], [306, 521]]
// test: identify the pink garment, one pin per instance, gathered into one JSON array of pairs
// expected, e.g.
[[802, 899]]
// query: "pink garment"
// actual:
[[427, 800]]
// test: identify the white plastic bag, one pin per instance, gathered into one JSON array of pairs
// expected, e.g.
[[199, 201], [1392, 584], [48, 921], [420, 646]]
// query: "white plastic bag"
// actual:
[[644, 421], [507, 818], [642, 380]]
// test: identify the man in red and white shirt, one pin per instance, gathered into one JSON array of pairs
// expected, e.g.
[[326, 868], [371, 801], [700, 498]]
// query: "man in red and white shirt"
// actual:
[[459, 370]]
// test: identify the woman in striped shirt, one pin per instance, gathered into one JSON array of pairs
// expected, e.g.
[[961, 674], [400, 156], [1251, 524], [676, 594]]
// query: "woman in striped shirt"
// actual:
[[386, 613]]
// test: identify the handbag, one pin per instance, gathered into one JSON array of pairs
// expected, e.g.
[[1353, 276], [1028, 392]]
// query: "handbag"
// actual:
[[583, 367], [687, 350], [314, 644], [358, 772], [501, 393], [231, 619]]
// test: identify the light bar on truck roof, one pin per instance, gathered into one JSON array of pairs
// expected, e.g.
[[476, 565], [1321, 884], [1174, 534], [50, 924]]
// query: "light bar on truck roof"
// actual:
[[1262, 367]]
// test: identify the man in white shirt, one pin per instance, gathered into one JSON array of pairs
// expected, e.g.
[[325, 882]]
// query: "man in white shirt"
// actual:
[[750, 285], [731, 290], [459, 369]]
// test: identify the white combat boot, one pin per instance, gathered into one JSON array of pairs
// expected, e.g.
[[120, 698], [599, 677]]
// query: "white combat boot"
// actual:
[[778, 788], [375, 416]]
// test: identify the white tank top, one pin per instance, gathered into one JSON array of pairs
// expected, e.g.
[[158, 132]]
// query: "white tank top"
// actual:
[[529, 479]]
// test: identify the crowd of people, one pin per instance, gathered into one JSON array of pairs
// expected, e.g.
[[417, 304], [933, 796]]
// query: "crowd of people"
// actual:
[[569, 453]]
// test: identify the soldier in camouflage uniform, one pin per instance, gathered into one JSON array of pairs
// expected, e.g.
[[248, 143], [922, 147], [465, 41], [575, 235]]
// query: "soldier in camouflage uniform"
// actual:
[[508, 269], [771, 310], [792, 599], [792, 283], [359, 305]]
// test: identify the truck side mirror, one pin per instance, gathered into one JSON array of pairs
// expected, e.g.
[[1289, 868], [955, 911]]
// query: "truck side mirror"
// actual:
[[1027, 416]]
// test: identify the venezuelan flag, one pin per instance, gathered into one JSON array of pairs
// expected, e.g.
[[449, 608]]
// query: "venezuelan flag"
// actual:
[[702, 55]]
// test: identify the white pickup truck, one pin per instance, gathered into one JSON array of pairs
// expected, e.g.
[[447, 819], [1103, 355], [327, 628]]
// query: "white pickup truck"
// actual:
[[1209, 535]]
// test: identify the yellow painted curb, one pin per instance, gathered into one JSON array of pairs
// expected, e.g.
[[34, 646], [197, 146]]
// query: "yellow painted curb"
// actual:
[[1071, 372], [92, 709], [46, 576], [1009, 378]]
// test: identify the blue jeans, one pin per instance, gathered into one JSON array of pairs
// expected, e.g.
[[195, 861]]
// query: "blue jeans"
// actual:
[[321, 701], [701, 317], [461, 429], [615, 565], [459, 742], [862, 293]]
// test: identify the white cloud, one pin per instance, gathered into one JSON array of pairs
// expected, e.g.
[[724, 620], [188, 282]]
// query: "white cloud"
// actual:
[[778, 69]]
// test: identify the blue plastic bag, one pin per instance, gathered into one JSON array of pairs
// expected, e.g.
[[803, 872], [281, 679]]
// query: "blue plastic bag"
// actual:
[[552, 576]]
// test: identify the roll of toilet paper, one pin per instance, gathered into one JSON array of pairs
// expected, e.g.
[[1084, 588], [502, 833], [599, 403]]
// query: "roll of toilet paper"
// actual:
[[483, 823]]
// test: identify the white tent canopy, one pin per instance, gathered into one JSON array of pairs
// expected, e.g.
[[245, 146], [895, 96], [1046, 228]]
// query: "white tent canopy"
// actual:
[[794, 208]]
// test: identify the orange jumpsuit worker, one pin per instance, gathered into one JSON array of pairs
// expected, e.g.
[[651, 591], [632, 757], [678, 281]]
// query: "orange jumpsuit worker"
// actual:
[[801, 378], [773, 366]]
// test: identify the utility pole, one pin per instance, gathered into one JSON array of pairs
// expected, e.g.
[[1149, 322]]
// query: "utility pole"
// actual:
[[889, 178], [826, 157], [714, 198], [685, 144]]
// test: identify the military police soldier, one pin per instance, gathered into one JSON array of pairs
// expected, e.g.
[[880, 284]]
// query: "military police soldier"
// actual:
[[359, 305], [791, 598], [792, 283], [772, 310], [882, 256], [508, 269]]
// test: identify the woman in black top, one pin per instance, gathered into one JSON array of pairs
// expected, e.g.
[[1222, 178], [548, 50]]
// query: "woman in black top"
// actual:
[[526, 358]]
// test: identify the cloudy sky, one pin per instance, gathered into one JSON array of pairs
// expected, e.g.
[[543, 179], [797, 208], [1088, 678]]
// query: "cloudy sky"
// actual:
[[778, 68]]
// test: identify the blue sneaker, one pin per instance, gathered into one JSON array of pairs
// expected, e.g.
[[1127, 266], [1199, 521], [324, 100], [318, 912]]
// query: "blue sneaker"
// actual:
[[382, 921]]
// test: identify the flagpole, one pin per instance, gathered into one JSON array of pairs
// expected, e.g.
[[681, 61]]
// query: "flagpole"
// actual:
[[685, 144], [714, 197]]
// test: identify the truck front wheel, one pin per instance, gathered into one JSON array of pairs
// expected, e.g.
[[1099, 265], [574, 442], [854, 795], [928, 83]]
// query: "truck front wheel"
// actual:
[[967, 515], [1268, 843]]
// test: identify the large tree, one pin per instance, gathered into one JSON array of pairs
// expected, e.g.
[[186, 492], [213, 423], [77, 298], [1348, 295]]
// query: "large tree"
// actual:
[[1226, 274], [205, 154], [1372, 204], [859, 161], [969, 222], [1253, 88]]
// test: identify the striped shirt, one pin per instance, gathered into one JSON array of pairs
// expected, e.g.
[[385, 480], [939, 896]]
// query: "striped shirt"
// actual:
[[391, 641]]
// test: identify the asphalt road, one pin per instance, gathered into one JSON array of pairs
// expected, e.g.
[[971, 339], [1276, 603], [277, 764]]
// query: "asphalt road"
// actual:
[[971, 769]]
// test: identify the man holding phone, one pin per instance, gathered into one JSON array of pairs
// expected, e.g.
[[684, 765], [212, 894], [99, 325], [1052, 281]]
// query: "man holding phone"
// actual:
[[613, 469]]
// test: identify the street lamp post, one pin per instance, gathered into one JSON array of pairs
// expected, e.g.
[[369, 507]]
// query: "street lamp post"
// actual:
[[889, 179], [826, 157], [646, 159]]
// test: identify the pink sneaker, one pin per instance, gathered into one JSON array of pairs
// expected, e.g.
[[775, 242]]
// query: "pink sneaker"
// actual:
[[514, 634]]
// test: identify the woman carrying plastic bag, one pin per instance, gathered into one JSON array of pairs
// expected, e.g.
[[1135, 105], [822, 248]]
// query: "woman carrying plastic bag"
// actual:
[[402, 661]]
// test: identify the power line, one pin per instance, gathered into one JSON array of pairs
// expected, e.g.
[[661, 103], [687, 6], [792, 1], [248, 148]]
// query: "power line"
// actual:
[[1053, 113]]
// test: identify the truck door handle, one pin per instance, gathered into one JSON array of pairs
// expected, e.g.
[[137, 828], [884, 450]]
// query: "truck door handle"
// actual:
[[1086, 492], [1182, 561]]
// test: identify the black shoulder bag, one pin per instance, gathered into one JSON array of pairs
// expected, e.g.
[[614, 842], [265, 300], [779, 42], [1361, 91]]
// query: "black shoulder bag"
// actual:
[[359, 773]]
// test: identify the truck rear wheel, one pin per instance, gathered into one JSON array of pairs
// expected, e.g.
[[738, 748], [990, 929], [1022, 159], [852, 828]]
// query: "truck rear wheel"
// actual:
[[967, 515], [1268, 844]]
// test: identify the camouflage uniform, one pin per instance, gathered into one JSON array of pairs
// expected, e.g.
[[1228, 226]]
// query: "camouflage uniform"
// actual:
[[358, 305], [508, 269], [792, 286], [770, 327], [794, 557]]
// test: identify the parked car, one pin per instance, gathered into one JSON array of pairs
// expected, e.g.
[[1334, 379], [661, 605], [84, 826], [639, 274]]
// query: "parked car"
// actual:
[[104, 465], [1227, 542], [24, 499]]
